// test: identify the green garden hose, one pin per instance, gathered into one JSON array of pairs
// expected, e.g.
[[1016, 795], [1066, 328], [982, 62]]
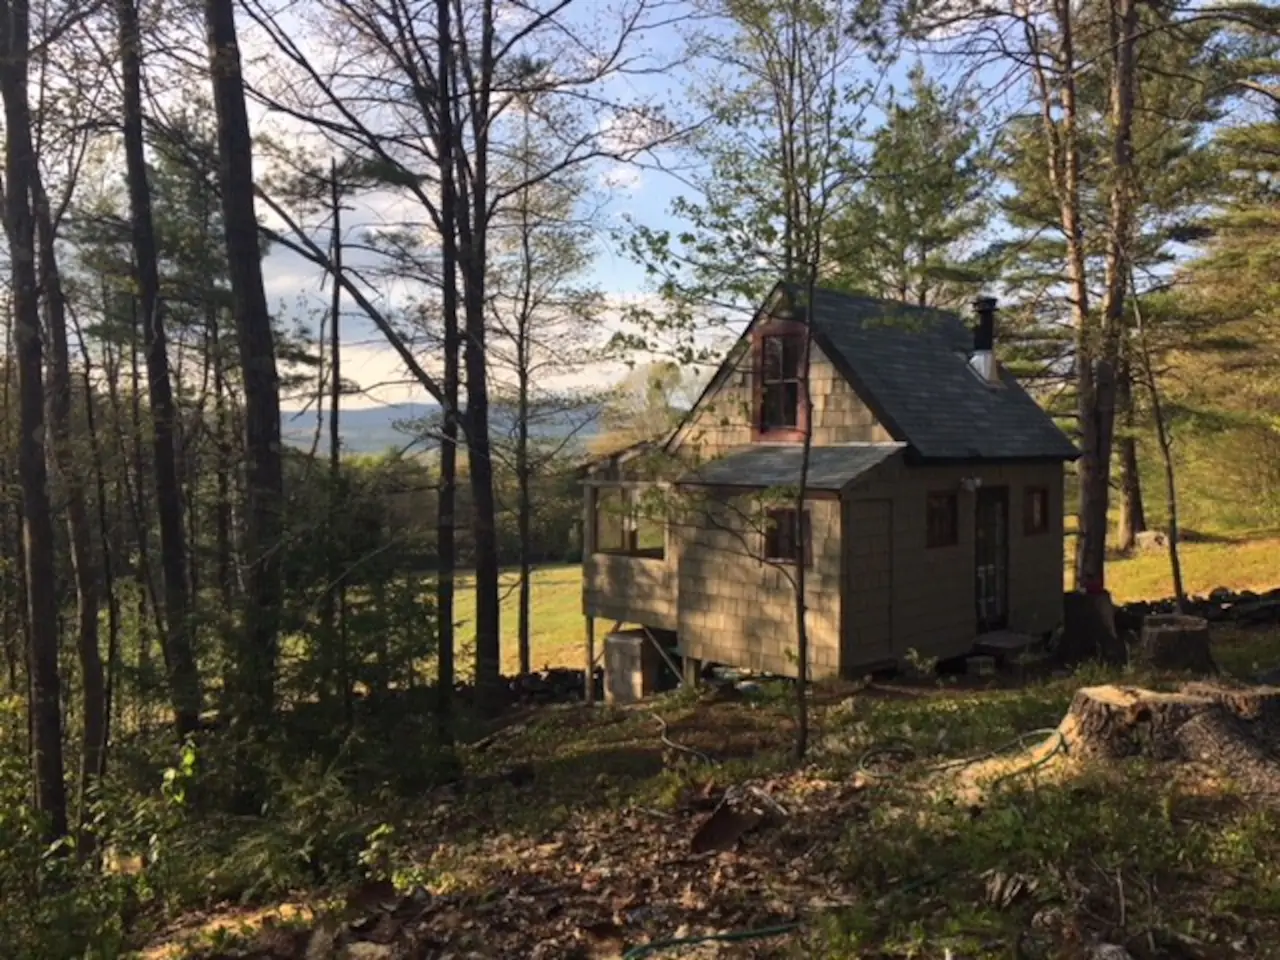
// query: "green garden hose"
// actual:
[[901, 747], [736, 936]]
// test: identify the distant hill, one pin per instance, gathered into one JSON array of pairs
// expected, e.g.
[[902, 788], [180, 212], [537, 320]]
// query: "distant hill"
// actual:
[[374, 429]]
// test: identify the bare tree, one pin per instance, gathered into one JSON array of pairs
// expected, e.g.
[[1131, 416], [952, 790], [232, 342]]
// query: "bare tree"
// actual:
[[440, 148], [788, 105]]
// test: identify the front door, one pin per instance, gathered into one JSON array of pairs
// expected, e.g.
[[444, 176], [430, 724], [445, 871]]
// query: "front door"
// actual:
[[991, 541]]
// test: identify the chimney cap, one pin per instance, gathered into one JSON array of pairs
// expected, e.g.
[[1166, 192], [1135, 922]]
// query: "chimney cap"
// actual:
[[984, 304]]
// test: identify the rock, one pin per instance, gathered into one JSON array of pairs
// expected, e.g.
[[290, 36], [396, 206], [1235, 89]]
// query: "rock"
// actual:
[[1109, 951], [1151, 540], [362, 950], [1266, 610]]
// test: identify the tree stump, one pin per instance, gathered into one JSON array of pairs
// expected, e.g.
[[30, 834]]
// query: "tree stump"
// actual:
[[1176, 642], [1230, 729]]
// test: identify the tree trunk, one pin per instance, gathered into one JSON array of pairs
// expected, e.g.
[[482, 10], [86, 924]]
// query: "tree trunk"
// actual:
[[473, 211], [1176, 642], [1230, 729], [255, 670], [184, 678], [803, 536], [1166, 451], [147, 609], [1100, 415], [11, 528], [335, 599], [524, 511], [222, 516], [83, 565], [445, 504], [38, 534], [1133, 516], [524, 468], [108, 566]]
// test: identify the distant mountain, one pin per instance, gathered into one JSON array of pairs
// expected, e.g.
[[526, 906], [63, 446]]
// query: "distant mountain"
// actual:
[[378, 429]]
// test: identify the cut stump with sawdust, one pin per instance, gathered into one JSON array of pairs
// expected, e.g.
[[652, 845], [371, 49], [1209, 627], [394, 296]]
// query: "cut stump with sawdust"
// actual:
[[1232, 729], [1176, 642]]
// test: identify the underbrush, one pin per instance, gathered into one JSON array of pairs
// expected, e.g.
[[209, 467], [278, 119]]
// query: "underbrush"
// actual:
[[164, 837], [1131, 852]]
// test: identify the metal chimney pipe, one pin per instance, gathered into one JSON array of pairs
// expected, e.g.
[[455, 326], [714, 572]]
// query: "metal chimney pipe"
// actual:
[[984, 336]]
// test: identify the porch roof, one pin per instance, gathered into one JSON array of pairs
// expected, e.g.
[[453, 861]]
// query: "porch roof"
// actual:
[[778, 465]]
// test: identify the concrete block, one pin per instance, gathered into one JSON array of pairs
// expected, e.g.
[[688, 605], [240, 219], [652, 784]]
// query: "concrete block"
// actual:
[[631, 666]]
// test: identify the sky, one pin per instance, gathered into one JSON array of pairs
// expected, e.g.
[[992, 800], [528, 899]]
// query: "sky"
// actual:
[[639, 191]]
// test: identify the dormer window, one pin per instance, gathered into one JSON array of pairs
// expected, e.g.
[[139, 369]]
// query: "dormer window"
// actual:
[[780, 380]]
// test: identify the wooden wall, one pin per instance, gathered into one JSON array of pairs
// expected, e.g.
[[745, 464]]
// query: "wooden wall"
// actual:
[[735, 608], [930, 604]]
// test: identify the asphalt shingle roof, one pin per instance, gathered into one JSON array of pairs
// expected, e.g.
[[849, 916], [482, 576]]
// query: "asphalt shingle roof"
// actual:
[[911, 366], [778, 465]]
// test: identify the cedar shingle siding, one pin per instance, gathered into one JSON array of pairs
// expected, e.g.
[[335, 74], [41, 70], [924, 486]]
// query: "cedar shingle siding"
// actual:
[[897, 415]]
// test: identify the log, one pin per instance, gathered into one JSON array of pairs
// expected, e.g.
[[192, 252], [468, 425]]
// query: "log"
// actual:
[[1176, 642], [1231, 729]]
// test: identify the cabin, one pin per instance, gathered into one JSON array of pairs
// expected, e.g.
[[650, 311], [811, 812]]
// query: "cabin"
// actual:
[[932, 515]]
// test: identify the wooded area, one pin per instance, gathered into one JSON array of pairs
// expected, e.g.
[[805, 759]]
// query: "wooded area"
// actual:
[[203, 629]]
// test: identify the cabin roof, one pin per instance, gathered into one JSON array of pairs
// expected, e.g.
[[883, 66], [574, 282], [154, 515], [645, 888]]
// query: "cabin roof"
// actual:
[[911, 367]]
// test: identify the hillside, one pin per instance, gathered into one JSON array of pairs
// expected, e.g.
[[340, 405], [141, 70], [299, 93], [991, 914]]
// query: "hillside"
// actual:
[[389, 426]]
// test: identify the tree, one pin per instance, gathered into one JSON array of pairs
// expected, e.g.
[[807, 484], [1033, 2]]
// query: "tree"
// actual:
[[184, 678], [908, 232], [1086, 68], [254, 673], [785, 102], [543, 321], [644, 406], [21, 175]]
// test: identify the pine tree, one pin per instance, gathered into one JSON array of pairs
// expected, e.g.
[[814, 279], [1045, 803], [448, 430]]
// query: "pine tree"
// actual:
[[910, 230]]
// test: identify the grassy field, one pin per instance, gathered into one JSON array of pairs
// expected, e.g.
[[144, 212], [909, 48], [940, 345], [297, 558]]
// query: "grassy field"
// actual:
[[557, 593]]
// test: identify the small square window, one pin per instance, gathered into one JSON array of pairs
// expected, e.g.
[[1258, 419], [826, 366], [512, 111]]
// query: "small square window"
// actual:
[[786, 537], [942, 520], [1036, 511]]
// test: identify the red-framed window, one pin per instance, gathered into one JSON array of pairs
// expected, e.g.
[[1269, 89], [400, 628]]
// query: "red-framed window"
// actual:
[[1035, 511], [786, 537], [942, 520], [781, 407]]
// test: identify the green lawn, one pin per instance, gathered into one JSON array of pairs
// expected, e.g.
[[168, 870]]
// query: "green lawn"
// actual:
[[1237, 565], [557, 594], [557, 625]]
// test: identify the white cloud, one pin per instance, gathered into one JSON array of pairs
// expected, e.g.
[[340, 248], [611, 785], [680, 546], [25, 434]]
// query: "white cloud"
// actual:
[[622, 176]]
